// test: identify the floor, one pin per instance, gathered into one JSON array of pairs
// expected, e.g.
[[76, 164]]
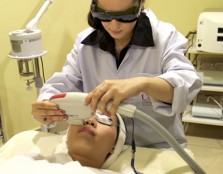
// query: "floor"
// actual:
[[206, 142]]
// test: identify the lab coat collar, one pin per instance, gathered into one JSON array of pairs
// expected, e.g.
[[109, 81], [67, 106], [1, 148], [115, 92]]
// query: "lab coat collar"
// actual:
[[142, 36]]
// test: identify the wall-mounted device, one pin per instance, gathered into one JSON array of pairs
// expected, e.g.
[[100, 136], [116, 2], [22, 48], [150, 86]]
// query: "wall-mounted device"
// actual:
[[26, 47], [210, 31], [210, 68]]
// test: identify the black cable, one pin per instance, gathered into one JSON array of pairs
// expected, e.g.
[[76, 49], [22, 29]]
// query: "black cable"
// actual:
[[133, 149], [189, 33], [193, 33], [188, 49], [195, 60]]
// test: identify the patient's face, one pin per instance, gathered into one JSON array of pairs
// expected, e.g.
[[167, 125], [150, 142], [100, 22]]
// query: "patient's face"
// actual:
[[91, 143]]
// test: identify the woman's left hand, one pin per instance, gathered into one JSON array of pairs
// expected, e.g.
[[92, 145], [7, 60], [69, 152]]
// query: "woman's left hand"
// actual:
[[114, 91]]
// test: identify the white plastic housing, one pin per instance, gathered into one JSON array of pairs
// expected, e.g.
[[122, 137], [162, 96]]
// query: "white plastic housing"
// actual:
[[74, 105], [210, 32], [26, 44]]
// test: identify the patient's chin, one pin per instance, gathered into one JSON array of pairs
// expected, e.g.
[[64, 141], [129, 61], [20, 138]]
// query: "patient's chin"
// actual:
[[81, 147], [86, 159]]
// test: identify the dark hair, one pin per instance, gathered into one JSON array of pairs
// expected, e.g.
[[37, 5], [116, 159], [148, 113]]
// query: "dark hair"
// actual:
[[95, 23]]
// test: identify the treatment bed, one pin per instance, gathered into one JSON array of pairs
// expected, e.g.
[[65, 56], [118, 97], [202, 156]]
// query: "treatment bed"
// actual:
[[147, 160]]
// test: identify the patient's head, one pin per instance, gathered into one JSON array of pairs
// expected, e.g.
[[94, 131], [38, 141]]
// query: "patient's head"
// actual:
[[96, 144]]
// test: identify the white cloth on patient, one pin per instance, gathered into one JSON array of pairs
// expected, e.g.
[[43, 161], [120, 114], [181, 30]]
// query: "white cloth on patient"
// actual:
[[33, 152], [40, 153], [56, 164]]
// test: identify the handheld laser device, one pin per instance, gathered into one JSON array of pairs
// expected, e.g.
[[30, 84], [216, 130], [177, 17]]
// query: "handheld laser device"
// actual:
[[73, 104]]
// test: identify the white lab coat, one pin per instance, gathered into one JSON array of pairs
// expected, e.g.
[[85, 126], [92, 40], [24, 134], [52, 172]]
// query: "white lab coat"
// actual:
[[88, 66]]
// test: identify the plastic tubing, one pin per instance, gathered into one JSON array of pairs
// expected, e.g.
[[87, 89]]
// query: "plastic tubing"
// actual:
[[169, 139]]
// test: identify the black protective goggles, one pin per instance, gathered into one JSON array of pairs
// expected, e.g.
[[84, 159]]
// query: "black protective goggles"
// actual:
[[126, 16]]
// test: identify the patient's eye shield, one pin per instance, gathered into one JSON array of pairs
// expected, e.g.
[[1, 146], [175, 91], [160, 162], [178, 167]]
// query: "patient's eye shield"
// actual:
[[103, 119]]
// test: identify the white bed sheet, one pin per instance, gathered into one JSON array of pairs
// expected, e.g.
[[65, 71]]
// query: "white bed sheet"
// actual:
[[147, 160]]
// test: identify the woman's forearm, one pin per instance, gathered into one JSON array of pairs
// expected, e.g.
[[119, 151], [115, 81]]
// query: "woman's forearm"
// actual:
[[158, 89]]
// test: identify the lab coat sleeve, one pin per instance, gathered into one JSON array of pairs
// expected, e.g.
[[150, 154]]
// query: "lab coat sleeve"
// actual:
[[68, 80], [185, 89], [180, 73]]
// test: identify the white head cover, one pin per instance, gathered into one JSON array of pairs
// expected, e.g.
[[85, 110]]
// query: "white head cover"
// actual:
[[119, 144]]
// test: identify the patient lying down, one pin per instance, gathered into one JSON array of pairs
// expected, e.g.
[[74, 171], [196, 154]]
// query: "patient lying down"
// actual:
[[95, 144]]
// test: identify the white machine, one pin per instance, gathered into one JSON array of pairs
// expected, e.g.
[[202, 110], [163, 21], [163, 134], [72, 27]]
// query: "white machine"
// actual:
[[77, 111], [210, 31], [26, 47]]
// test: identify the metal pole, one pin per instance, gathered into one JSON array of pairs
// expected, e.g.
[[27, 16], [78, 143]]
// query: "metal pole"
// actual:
[[38, 84]]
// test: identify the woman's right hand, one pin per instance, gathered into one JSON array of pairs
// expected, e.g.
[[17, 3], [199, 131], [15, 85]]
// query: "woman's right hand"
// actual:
[[46, 112]]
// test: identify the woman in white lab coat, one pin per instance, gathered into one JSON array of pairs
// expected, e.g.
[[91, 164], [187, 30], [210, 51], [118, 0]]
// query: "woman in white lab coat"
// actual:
[[127, 55]]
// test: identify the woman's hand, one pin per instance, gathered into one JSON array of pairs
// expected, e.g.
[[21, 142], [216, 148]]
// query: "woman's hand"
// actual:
[[114, 91], [46, 112]]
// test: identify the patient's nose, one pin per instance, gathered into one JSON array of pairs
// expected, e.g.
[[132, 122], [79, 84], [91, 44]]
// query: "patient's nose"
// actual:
[[90, 121]]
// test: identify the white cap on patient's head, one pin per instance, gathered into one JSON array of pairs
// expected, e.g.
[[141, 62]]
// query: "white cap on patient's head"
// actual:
[[119, 146]]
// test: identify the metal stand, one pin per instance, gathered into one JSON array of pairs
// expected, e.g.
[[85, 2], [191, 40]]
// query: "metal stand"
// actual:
[[27, 48], [32, 73], [38, 84]]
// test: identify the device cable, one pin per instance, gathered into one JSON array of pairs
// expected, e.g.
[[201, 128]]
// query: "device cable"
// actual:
[[169, 139]]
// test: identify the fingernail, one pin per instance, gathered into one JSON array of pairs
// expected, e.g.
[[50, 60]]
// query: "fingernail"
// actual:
[[56, 107], [108, 114], [62, 112]]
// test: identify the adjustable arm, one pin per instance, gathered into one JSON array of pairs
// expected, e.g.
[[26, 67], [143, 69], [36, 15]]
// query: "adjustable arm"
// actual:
[[32, 25]]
